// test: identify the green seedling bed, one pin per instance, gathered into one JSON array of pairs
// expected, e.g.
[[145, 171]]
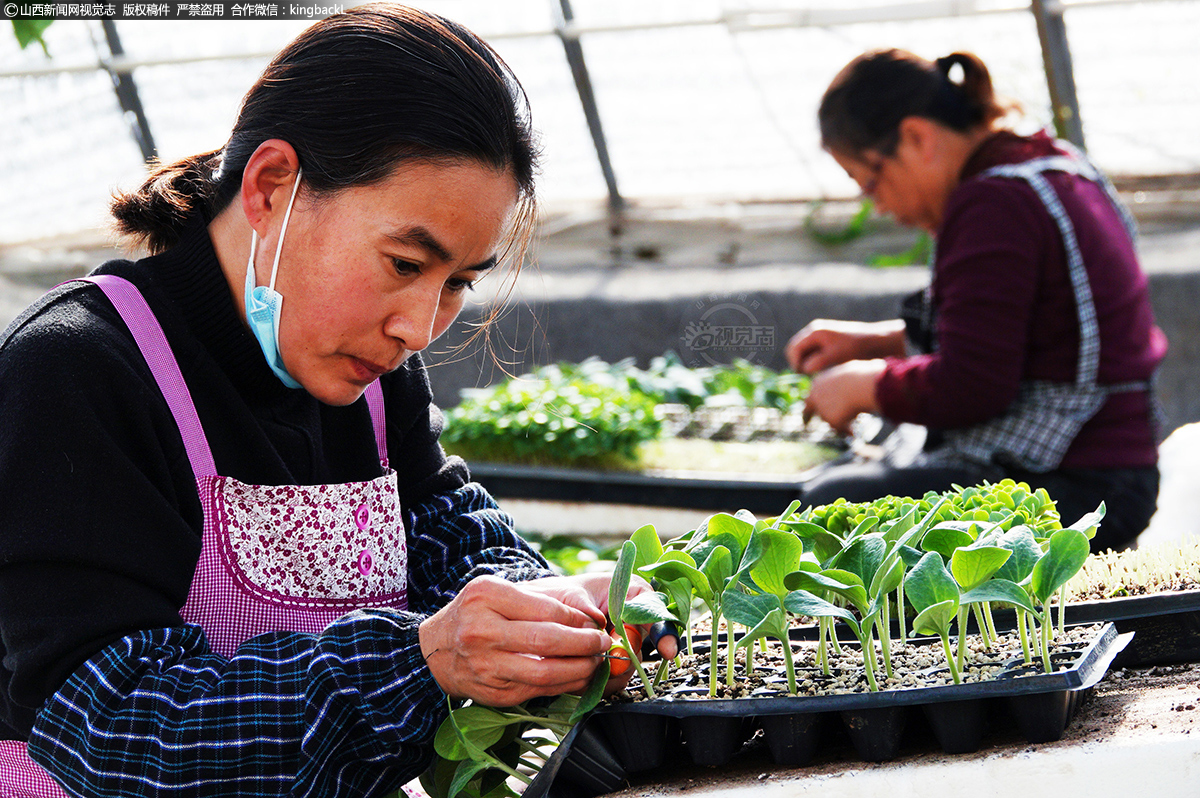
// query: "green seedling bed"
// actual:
[[618, 740]]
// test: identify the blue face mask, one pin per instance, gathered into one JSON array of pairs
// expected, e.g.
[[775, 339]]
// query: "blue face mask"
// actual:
[[264, 303]]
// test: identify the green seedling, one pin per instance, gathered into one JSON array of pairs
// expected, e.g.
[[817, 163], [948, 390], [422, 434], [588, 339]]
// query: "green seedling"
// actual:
[[707, 584], [478, 748], [848, 586], [972, 566], [1018, 569], [740, 581], [802, 602], [1066, 551], [770, 556], [645, 608], [1088, 525], [764, 616], [935, 596]]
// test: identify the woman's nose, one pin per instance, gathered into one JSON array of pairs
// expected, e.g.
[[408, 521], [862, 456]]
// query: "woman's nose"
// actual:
[[412, 321]]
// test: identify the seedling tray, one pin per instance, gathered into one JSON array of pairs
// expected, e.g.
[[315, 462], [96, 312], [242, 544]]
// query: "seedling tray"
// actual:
[[716, 492], [618, 740], [1167, 626]]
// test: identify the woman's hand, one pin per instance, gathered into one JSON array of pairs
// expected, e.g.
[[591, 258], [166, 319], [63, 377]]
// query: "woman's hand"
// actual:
[[824, 343], [502, 643], [839, 394]]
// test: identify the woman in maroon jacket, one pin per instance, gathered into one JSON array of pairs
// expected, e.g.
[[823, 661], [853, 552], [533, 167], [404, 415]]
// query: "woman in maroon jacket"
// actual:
[[1031, 353]]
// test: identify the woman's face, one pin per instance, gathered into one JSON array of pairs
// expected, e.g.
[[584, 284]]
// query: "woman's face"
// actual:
[[911, 185], [374, 273]]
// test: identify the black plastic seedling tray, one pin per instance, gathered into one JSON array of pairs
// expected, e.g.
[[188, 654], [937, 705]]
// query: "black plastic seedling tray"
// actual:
[[618, 740], [1167, 626]]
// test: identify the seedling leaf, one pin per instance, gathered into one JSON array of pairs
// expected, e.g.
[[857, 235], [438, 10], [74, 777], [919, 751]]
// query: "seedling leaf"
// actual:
[[465, 771], [1025, 552], [887, 578], [1000, 590], [739, 529], [863, 557], [718, 568], [728, 542], [472, 729], [1090, 522], [842, 583], [1065, 554], [649, 546], [592, 695], [974, 565], [645, 608], [946, 537], [936, 618], [747, 610], [929, 583], [801, 602], [618, 588], [780, 556]]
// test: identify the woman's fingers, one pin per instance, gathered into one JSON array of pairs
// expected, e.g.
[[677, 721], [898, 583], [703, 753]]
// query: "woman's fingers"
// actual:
[[499, 641], [506, 642]]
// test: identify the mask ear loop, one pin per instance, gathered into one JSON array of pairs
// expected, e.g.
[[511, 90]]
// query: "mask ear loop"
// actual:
[[286, 216], [251, 280]]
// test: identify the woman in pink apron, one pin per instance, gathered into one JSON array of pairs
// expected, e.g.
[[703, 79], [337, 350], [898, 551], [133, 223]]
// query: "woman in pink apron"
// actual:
[[235, 559]]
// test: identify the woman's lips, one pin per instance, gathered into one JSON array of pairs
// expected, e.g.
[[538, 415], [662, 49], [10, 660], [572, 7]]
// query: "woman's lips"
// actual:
[[368, 370]]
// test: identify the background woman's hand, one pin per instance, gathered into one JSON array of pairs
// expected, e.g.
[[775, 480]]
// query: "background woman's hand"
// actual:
[[502, 643], [824, 343], [839, 394]]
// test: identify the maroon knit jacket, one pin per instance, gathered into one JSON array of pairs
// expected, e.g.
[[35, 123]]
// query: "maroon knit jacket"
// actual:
[[1006, 312]]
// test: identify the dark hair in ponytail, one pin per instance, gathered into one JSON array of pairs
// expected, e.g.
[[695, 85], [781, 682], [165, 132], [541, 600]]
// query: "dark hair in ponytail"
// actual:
[[356, 94], [864, 105]]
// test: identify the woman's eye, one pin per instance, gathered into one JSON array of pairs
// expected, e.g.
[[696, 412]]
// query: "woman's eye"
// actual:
[[405, 267], [458, 284]]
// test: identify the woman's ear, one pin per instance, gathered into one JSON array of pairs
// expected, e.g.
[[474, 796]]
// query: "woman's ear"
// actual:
[[267, 182], [920, 136]]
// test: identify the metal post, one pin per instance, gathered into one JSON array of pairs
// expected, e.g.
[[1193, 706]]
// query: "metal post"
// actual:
[[1056, 55], [127, 96], [583, 85]]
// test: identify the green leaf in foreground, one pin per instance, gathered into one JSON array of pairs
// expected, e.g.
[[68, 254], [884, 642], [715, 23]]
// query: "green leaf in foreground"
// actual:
[[780, 556], [1025, 554], [974, 565], [1000, 590], [1065, 554], [618, 588], [592, 695], [927, 585]]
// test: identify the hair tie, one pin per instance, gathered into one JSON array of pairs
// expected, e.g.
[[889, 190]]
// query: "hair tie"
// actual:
[[945, 64]]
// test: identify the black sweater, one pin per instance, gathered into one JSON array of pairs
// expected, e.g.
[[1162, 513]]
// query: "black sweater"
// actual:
[[102, 522]]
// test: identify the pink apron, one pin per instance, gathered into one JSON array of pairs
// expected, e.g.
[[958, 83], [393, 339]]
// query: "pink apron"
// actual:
[[273, 558]]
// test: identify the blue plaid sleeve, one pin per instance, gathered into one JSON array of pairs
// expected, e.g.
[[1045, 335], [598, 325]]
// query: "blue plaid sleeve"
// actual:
[[455, 537], [349, 712]]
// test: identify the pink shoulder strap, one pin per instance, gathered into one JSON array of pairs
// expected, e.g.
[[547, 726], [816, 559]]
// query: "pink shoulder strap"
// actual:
[[148, 334], [374, 395]]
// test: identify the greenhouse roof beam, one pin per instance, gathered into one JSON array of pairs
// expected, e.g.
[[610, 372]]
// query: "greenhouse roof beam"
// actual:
[[587, 98]]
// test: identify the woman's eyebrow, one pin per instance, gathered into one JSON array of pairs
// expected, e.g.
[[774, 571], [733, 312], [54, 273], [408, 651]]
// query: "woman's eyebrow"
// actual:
[[421, 237]]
